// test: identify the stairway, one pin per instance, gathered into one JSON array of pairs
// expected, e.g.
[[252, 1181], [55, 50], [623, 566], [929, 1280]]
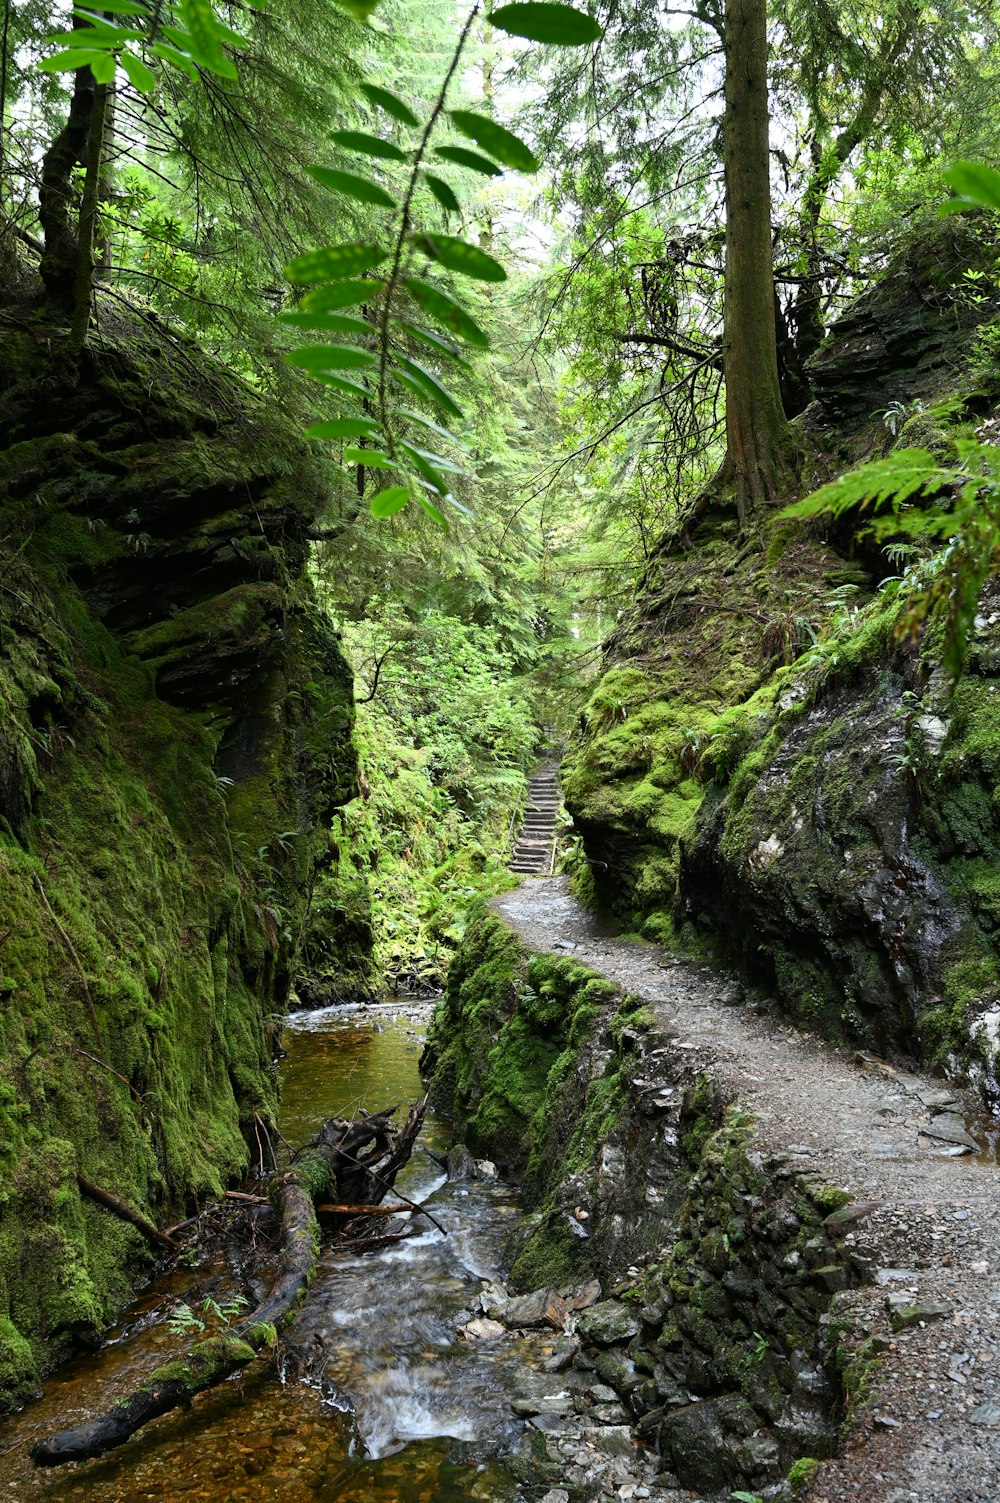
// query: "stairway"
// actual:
[[535, 846]]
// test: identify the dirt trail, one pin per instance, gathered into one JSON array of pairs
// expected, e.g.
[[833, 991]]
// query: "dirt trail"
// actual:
[[932, 1434]]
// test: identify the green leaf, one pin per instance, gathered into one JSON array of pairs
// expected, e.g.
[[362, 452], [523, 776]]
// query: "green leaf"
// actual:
[[432, 511], [975, 182], [559, 25], [388, 102], [443, 307], [344, 428], [334, 261], [104, 67], [470, 159], [425, 422], [370, 146], [459, 255], [361, 188], [342, 384], [500, 143], [330, 357], [424, 468], [446, 465], [388, 502], [174, 56], [430, 385], [139, 76], [359, 9], [68, 62], [373, 459], [121, 8], [342, 294], [199, 19], [101, 26], [443, 192], [333, 323], [433, 342]]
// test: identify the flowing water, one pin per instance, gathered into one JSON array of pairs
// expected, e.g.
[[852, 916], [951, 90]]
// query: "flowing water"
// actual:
[[431, 1410]]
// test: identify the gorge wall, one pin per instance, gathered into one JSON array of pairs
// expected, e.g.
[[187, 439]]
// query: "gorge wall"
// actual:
[[175, 739], [770, 766]]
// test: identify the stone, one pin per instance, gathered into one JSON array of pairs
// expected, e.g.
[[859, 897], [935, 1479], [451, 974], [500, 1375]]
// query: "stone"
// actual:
[[608, 1324], [556, 1495], [986, 1415], [582, 1296], [542, 1308], [482, 1330], [917, 1315], [494, 1301], [613, 1440], [608, 1414], [704, 1442], [459, 1163], [550, 1404], [948, 1127]]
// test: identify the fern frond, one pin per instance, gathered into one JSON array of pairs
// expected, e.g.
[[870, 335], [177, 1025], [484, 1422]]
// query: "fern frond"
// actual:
[[897, 479]]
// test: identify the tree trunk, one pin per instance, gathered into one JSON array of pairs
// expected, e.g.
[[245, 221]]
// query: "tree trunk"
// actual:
[[759, 444], [55, 198], [87, 231]]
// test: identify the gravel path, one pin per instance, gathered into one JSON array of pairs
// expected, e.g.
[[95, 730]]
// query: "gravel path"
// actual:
[[932, 1434]]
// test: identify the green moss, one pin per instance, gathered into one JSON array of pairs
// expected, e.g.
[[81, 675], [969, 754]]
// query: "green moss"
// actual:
[[803, 1472]]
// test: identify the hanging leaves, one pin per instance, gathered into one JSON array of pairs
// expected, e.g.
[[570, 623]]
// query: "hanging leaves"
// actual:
[[388, 102], [361, 188], [329, 357], [443, 192], [466, 158], [388, 502], [430, 386], [459, 255], [978, 186], [333, 323], [334, 261], [500, 143], [342, 294], [369, 146], [558, 25], [447, 311], [344, 428]]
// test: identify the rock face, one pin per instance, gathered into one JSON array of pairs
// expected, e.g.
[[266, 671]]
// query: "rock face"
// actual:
[[771, 766], [721, 1341], [176, 735]]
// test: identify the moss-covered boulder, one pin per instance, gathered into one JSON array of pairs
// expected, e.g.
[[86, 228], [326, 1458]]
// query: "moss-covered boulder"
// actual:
[[175, 735]]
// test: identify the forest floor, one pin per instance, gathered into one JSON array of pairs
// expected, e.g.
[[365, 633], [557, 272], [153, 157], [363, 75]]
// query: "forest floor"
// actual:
[[931, 1431]]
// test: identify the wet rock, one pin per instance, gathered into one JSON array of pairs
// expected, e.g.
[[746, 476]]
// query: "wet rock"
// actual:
[[608, 1324], [482, 1330], [582, 1296], [550, 1404], [563, 1353], [459, 1163], [541, 1308], [704, 1442], [948, 1127]]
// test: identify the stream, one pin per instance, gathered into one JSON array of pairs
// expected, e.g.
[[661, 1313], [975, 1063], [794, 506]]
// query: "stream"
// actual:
[[432, 1409]]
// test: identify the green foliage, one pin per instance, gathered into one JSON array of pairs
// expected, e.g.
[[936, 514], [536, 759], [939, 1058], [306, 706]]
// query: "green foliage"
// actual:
[[959, 519]]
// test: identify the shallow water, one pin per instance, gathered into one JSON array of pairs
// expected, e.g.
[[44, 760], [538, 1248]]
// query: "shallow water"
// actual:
[[431, 1410]]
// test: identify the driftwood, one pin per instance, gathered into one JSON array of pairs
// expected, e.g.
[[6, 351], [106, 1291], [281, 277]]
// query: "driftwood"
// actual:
[[340, 1162]]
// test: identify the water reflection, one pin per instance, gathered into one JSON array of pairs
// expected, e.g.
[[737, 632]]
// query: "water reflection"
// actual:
[[431, 1408]]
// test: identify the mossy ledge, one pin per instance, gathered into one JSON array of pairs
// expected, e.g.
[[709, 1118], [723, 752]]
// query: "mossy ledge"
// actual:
[[773, 770], [722, 1350], [176, 734]]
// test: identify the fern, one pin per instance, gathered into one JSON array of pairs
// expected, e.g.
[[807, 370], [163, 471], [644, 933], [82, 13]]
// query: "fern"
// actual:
[[960, 519]]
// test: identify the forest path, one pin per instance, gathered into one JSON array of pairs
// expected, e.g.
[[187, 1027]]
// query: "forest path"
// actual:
[[536, 842], [933, 1433]]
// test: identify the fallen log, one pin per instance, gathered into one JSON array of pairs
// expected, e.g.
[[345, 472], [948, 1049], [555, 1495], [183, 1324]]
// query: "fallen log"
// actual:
[[337, 1150]]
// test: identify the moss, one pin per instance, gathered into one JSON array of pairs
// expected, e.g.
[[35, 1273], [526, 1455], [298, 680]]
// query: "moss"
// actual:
[[551, 1258], [143, 951], [803, 1472]]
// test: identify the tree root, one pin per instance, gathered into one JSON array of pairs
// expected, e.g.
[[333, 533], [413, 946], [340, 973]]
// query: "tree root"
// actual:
[[335, 1165]]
